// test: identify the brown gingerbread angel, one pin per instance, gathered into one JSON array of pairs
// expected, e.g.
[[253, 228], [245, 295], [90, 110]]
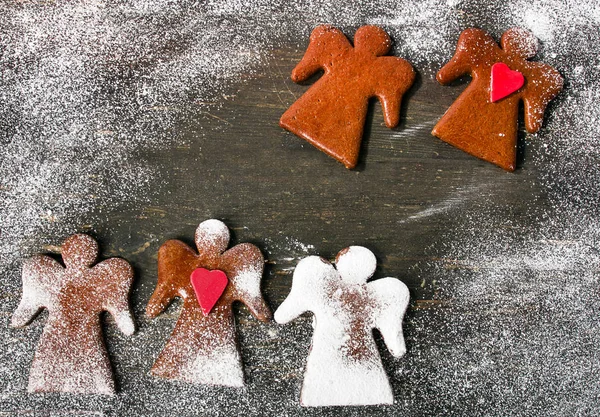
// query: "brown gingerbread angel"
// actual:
[[71, 356], [331, 114], [483, 121], [202, 348]]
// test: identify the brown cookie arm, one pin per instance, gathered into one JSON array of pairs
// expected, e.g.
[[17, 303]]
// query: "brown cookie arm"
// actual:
[[452, 70], [391, 109], [324, 42], [534, 114], [397, 76], [473, 48], [244, 265], [305, 68], [38, 272], [113, 277], [160, 300], [537, 96], [259, 308], [175, 263], [25, 312], [459, 64]]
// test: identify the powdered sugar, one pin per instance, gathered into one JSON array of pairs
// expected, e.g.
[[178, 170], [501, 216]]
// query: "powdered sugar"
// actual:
[[247, 281], [222, 366], [124, 321], [85, 92], [415, 37], [520, 289]]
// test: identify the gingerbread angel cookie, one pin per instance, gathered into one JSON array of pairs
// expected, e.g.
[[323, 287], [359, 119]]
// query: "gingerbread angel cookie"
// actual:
[[344, 367], [483, 121], [202, 348], [71, 356], [331, 114]]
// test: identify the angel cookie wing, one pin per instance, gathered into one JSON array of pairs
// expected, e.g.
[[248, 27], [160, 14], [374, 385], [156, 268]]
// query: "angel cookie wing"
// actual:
[[42, 277], [391, 298]]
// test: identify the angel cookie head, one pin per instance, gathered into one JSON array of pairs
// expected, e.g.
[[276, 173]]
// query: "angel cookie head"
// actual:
[[71, 356], [344, 366], [202, 348], [483, 120]]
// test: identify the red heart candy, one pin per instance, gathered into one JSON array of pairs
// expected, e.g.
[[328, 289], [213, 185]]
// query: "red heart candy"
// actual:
[[208, 286], [504, 81]]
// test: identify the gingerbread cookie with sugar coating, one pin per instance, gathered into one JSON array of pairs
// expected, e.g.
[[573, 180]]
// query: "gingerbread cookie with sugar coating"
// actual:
[[344, 366], [331, 114], [71, 356], [202, 348], [483, 120]]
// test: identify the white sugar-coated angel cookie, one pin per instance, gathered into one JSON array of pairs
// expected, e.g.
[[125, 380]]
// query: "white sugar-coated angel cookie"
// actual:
[[344, 366]]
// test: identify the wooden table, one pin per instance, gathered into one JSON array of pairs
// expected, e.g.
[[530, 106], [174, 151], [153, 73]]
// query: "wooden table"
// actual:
[[420, 205]]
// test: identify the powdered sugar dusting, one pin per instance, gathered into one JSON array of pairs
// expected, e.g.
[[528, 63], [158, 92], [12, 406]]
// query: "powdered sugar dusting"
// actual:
[[410, 25], [219, 365], [247, 281], [222, 366], [521, 290], [87, 87]]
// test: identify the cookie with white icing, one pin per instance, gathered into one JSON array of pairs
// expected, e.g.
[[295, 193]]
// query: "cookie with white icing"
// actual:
[[202, 348], [344, 366], [71, 356]]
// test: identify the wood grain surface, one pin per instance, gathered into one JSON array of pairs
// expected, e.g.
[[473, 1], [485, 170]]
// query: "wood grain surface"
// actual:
[[406, 199]]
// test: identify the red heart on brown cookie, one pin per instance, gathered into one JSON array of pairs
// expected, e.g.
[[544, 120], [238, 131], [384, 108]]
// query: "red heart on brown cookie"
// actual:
[[208, 286], [504, 81]]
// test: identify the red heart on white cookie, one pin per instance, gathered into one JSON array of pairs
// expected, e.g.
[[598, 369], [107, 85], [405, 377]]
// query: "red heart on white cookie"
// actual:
[[208, 286], [504, 81]]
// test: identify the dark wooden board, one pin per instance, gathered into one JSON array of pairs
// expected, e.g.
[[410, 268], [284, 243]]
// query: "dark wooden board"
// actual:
[[409, 194]]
